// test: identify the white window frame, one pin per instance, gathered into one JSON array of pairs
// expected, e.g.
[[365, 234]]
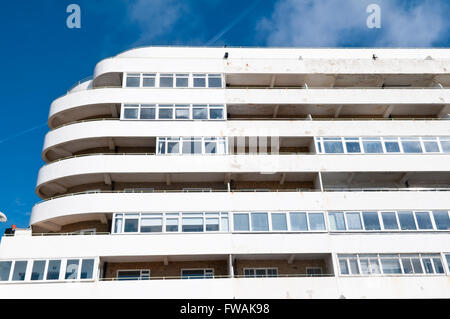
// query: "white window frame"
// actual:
[[266, 269], [142, 274]]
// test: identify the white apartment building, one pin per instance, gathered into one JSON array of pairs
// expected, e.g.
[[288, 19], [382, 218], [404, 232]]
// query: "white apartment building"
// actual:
[[258, 172]]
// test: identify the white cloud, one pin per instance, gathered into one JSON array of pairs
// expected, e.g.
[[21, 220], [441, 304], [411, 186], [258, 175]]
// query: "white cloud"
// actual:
[[334, 22]]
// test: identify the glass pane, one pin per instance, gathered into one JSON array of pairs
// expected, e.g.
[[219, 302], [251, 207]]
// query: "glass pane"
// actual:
[[417, 266], [389, 220], [72, 269], [298, 221], [447, 257], [20, 268], [87, 269], [353, 221], [161, 147], [354, 269], [129, 275], [392, 147], [182, 113], [133, 81], [441, 219], [316, 221], [148, 82], [165, 114], [148, 113], [200, 113], [374, 266], [407, 266], [118, 225], [445, 146], [391, 266], [216, 114], [337, 221], [173, 147], [438, 265], [224, 224], [181, 82], [406, 220], [260, 222], [428, 265], [166, 81], [212, 224], [199, 82], [151, 225], [172, 225], [371, 146], [333, 146], [411, 146], [131, 225], [353, 147], [364, 266], [423, 220], [343, 267], [5, 269], [371, 221], [210, 147], [431, 147], [192, 274], [53, 269], [241, 222], [130, 113], [249, 272], [279, 221], [214, 82], [191, 147], [38, 270], [192, 224]]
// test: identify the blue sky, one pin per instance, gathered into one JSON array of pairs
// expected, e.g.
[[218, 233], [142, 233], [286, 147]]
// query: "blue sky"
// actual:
[[41, 58]]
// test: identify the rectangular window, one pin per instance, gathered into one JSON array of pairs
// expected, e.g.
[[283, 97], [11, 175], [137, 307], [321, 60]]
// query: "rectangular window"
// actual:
[[389, 220], [279, 222], [130, 111], [353, 221], [441, 219], [447, 258], [371, 221], [260, 222], [192, 222], [343, 267], [214, 80], [131, 223], [173, 146], [372, 145], [423, 220], [212, 221], [133, 274], [314, 271], [391, 265], [181, 80], [352, 145], [316, 221], [182, 112], [216, 112], [72, 269], [369, 264], [165, 112], [445, 144], [411, 145], [87, 269], [53, 269], [171, 222], [224, 225], [391, 145], [241, 222], [199, 112], [166, 80], [20, 268], [37, 272], [133, 80], [260, 272], [430, 144], [151, 223], [333, 145], [337, 221], [354, 268], [199, 80], [192, 146], [149, 80], [5, 270], [148, 112], [298, 221], [197, 273], [406, 220]]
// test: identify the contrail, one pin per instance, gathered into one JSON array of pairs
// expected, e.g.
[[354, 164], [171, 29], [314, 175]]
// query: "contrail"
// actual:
[[23, 132], [233, 23]]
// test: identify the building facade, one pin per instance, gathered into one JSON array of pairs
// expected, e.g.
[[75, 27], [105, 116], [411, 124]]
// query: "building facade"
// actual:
[[258, 172]]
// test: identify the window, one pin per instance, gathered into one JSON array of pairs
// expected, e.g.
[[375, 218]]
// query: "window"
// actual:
[[38, 270], [337, 221], [72, 269], [432, 264], [192, 222], [353, 221], [352, 145], [214, 80], [131, 223], [369, 264], [333, 145], [197, 273], [182, 112], [199, 80], [391, 145], [216, 112], [298, 221], [430, 144], [411, 145], [166, 80], [147, 112], [441, 219], [445, 144], [5, 269], [215, 145], [406, 221], [151, 223], [372, 145], [173, 146], [224, 225], [371, 221], [390, 265], [149, 80], [192, 145], [343, 267], [260, 272], [260, 222], [181, 80], [87, 269], [130, 111], [411, 264], [200, 112], [143, 274], [118, 223], [316, 221], [165, 112], [20, 268], [133, 80], [212, 221], [447, 257], [241, 222], [314, 271], [279, 221], [423, 220], [389, 220], [172, 222], [53, 269]]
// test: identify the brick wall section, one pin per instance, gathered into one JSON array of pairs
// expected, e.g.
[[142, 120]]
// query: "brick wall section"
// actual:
[[284, 268], [158, 269]]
